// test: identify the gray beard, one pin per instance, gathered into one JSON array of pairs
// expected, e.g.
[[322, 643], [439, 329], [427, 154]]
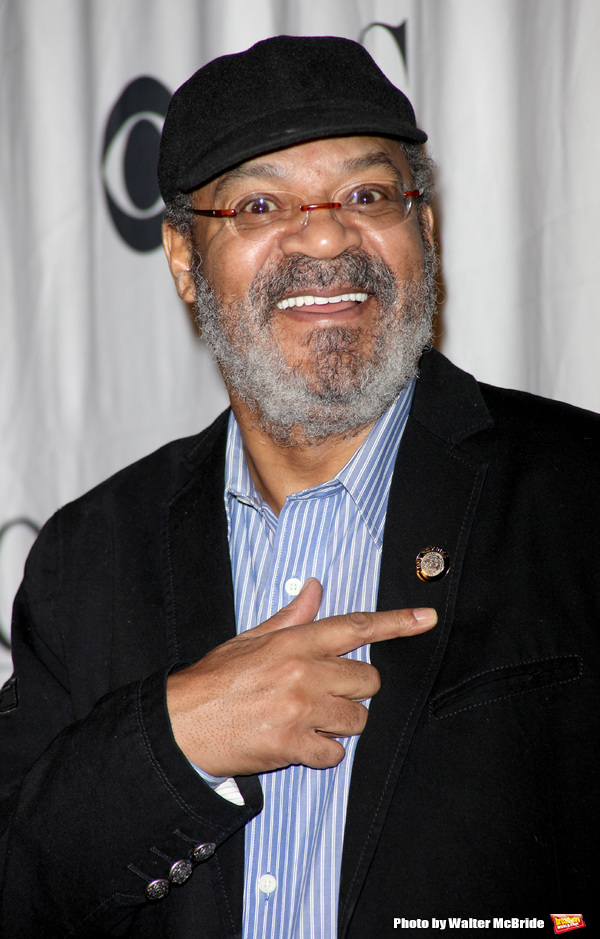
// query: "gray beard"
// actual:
[[340, 388]]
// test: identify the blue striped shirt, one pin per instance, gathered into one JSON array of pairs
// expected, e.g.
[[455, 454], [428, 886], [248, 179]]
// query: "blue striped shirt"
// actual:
[[333, 532]]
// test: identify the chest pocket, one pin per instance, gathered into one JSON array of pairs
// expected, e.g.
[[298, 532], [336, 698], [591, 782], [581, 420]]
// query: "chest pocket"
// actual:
[[505, 681]]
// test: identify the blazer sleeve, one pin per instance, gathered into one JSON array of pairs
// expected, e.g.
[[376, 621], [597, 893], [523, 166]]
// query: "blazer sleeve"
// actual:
[[102, 815]]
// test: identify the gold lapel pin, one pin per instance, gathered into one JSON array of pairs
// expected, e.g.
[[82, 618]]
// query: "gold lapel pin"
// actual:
[[432, 563]]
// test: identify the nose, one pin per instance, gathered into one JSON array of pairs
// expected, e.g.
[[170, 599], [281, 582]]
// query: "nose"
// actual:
[[321, 233]]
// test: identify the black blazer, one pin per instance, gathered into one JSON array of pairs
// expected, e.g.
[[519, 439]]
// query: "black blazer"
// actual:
[[475, 785]]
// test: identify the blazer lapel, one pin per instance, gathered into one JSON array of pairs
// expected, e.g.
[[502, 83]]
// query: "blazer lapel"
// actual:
[[198, 584], [432, 502]]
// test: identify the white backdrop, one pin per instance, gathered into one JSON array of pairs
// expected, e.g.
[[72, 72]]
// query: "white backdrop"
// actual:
[[98, 361]]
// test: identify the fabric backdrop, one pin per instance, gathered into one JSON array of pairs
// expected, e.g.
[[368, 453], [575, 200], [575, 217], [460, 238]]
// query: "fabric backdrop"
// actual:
[[99, 362]]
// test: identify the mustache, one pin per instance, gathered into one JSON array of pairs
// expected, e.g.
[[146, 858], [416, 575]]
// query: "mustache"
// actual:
[[356, 271]]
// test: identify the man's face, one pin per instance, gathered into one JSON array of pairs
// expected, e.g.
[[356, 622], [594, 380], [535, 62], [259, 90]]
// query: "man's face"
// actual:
[[264, 297]]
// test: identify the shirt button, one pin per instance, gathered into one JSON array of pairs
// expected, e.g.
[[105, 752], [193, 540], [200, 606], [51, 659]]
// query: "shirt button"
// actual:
[[267, 883], [293, 586]]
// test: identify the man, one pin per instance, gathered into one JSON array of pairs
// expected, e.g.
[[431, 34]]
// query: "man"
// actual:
[[329, 770]]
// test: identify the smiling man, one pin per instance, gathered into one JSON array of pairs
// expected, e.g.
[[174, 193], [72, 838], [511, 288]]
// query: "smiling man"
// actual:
[[231, 715], [317, 295]]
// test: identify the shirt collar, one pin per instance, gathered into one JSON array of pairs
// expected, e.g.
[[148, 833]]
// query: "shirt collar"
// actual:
[[366, 476]]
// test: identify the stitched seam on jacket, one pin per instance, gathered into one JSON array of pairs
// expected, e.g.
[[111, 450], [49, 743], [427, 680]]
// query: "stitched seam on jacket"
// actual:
[[170, 605], [476, 487], [161, 773], [511, 694], [222, 882], [106, 904]]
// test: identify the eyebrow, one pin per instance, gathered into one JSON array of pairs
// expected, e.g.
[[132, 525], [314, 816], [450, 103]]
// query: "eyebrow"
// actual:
[[268, 171], [272, 172], [377, 158]]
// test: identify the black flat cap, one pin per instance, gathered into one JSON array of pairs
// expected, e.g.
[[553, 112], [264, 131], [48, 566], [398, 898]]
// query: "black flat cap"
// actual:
[[281, 91]]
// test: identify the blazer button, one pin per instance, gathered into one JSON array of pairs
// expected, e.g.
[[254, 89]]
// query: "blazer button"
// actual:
[[432, 563], [180, 872], [203, 851], [157, 889]]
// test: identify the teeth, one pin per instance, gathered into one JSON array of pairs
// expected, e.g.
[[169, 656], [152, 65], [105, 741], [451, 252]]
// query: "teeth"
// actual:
[[318, 301]]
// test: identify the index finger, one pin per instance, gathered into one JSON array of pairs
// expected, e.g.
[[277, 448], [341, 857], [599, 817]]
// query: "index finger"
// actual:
[[338, 635]]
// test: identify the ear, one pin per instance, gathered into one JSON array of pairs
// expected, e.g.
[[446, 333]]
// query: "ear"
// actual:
[[429, 224], [178, 252]]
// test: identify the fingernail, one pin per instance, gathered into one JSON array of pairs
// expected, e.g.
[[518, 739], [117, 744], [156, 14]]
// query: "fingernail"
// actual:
[[304, 585], [425, 616]]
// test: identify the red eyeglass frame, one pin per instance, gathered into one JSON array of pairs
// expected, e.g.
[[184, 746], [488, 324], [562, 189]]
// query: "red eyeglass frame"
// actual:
[[231, 213]]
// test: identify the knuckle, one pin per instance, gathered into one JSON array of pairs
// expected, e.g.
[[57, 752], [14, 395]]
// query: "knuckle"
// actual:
[[374, 680], [347, 718], [361, 716], [293, 674], [325, 752], [359, 619], [293, 712], [362, 623], [403, 618]]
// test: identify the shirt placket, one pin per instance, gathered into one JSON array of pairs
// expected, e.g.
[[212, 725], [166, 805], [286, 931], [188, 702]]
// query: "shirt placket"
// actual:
[[299, 550]]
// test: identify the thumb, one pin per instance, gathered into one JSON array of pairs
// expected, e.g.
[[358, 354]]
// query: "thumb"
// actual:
[[302, 609]]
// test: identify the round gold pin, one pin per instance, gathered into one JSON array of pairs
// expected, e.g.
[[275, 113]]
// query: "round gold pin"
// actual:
[[432, 563]]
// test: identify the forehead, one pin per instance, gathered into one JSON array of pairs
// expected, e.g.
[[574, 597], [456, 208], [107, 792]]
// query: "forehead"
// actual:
[[324, 162]]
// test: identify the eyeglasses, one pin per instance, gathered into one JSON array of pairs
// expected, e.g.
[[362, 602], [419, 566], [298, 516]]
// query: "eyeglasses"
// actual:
[[375, 204]]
